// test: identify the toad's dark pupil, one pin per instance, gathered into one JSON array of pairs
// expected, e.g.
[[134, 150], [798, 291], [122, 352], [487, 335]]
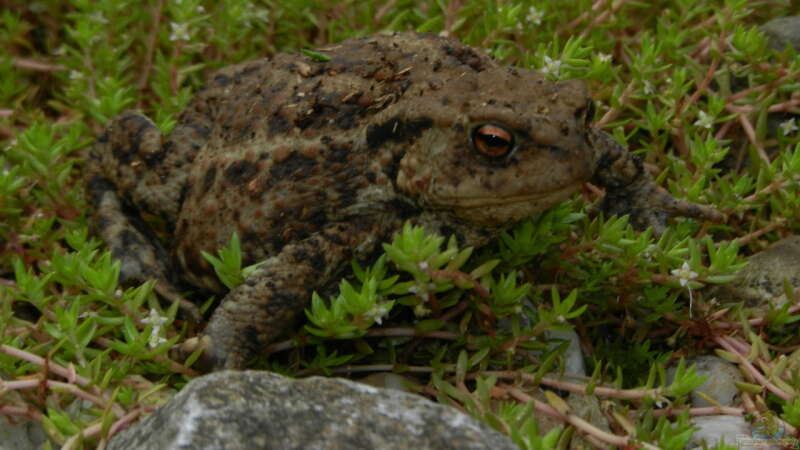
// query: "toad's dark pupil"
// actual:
[[493, 141]]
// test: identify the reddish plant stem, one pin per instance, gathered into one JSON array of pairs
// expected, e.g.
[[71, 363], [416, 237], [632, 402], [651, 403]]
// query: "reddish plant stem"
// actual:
[[147, 64], [726, 343], [580, 424]]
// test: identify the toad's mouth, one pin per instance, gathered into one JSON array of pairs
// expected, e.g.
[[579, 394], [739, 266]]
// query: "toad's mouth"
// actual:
[[540, 199]]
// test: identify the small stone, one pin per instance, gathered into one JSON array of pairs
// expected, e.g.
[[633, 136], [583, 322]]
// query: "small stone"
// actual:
[[761, 284], [388, 380], [714, 429], [573, 357], [783, 31], [720, 384]]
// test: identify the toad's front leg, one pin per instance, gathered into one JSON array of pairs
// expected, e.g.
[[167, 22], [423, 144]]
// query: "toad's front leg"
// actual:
[[268, 302], [631, 190], [120, 173]]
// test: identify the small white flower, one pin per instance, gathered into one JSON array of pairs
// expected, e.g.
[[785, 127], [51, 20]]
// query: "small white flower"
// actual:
[[551, 66], [648, 87], [200, 9], [378, 312], [684, 274], [604, 57], [180, 32], [155, 340], [788, 126], [75, 75], [98, 17], [704, 120], [154, 319], [534, 16], [422, 265], [259, 14]]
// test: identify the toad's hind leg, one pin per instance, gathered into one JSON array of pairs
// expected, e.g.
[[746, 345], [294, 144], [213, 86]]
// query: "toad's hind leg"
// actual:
[[267, 303]]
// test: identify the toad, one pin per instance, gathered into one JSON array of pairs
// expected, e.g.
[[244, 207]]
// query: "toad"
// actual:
[[317, 158]]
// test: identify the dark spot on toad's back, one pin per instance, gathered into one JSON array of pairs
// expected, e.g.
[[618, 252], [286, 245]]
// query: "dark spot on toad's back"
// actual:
[[466, 56], [294, 163], [208, 178], [222, 80], [252, 68], [201, 130], [186, 189], [316, 116], [278, 124], [250, 237], [337, 153], [240, 172], [396, 130], [348, 116]]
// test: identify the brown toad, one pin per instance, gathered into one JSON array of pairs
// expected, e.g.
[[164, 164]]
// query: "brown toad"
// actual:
[[315, 162]]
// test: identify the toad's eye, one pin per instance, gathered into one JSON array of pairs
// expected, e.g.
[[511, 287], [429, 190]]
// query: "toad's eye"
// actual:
[[493, 140]]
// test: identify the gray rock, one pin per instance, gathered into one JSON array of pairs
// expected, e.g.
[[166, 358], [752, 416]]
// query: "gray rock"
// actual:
[[573, 357], [714, 429], [783, 31], [720, 384], [761, 284], [247, 410], [18, 433], [22, 435]]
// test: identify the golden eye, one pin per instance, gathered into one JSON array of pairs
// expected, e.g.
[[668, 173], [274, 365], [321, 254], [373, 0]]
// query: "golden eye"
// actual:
[[493, 140]]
